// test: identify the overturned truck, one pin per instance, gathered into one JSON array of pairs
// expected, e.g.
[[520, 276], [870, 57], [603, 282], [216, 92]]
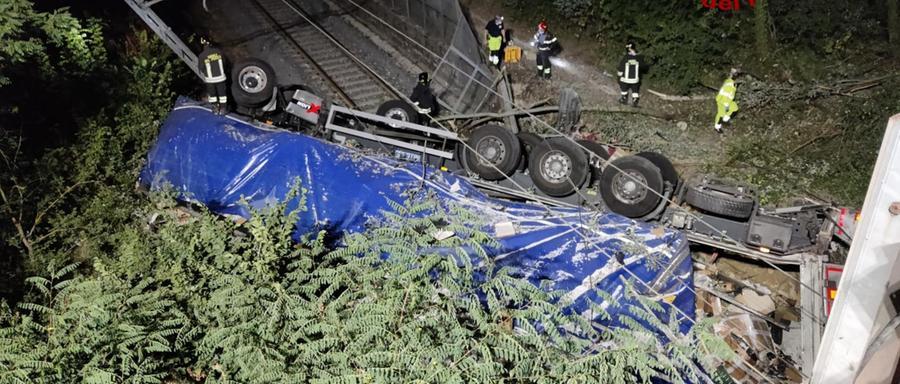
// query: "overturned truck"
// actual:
[[229, 166]]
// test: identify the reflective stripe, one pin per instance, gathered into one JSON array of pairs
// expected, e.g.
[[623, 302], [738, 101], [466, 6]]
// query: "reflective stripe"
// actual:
[[635, 95], [210, 77], [540, 67], [212, 99], [728, 90], [223, 99]]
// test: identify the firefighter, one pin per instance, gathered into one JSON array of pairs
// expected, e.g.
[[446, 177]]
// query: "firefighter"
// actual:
[[211, 62], [725, 104], [423, 99], [545, 43], [494, 36], [630, 75]]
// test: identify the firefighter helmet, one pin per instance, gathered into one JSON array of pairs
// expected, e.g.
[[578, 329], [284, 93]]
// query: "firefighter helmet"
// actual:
[[631, 45], [542, 26], [423, 77]]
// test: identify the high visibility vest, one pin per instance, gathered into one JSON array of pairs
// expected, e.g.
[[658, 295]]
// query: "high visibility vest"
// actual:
[[632, 72], [212, 65], [494, 42], [727, 92]]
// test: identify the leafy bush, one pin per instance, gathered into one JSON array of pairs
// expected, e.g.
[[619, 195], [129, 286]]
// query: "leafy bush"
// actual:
[[193, 296]]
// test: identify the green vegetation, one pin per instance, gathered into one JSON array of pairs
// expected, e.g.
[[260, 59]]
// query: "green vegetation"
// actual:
[[127, 287], [818, 85]]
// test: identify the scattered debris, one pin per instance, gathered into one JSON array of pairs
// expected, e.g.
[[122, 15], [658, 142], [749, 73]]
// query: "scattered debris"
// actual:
[[759, 303], [759, 361]]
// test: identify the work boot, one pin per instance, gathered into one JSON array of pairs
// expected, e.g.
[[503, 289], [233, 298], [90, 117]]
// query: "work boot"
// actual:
[[634, 102], [719, 128], [223, 109], [540, 73], [623, 100], [215, 108]]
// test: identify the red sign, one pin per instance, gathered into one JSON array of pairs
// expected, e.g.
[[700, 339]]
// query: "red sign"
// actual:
[[726, 5]]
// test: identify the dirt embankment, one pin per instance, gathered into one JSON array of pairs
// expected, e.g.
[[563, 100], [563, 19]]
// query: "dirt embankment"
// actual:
[[790, 139]]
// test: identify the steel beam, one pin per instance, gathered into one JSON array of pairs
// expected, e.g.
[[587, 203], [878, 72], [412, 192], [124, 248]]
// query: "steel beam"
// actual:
[[142, 9]]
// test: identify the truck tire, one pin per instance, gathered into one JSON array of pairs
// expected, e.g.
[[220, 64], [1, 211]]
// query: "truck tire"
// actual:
[[599, 150], [557, 166], [252, 83], [665, 166], [496, 152], [569, 110], [398, 110], [528, 141], [631, 186], [719, 202]]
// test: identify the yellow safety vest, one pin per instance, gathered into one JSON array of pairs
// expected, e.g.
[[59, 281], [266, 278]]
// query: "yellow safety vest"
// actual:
[[494, 42], [727, 91]]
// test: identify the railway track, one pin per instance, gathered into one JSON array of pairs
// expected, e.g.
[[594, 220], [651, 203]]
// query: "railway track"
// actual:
[[348, 81]]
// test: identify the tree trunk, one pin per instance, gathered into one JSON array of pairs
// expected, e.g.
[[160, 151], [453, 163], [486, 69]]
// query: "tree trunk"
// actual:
[[893, 25], [761, 28]]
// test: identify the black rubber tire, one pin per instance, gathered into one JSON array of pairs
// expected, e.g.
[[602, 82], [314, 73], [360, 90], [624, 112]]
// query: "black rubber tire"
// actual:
[[599, 150], [528, 141], [249, 97], [569, 110], [577, 168], [631, 203], [504, 162], [720, 203], [400, 110], [669, 174]]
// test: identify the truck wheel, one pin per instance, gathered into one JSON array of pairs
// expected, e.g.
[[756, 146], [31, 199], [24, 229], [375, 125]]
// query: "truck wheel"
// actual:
[[252, 83], [569, 110], [720, 200], [528, 141], [557, 166], [398, 110], [496, 152], [599, 150], [631, 186], [665, 166]]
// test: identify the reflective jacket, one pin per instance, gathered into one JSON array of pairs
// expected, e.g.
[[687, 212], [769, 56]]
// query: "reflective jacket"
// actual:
[[544, 41], [211, 63], [727, 92], [630, 69]]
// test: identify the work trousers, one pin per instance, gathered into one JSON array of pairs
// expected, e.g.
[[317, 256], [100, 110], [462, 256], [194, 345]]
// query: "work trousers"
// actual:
[[635, 89], [725, 113], [543, 63], [217, 92]]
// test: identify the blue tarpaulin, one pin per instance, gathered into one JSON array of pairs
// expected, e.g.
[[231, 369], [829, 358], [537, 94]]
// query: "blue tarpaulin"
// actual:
[[218, 160]]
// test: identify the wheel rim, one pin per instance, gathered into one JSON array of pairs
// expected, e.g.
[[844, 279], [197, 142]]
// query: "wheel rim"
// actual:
[[556, 167], [490, 150], [252, 79], [628, 187], [397, 114]]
